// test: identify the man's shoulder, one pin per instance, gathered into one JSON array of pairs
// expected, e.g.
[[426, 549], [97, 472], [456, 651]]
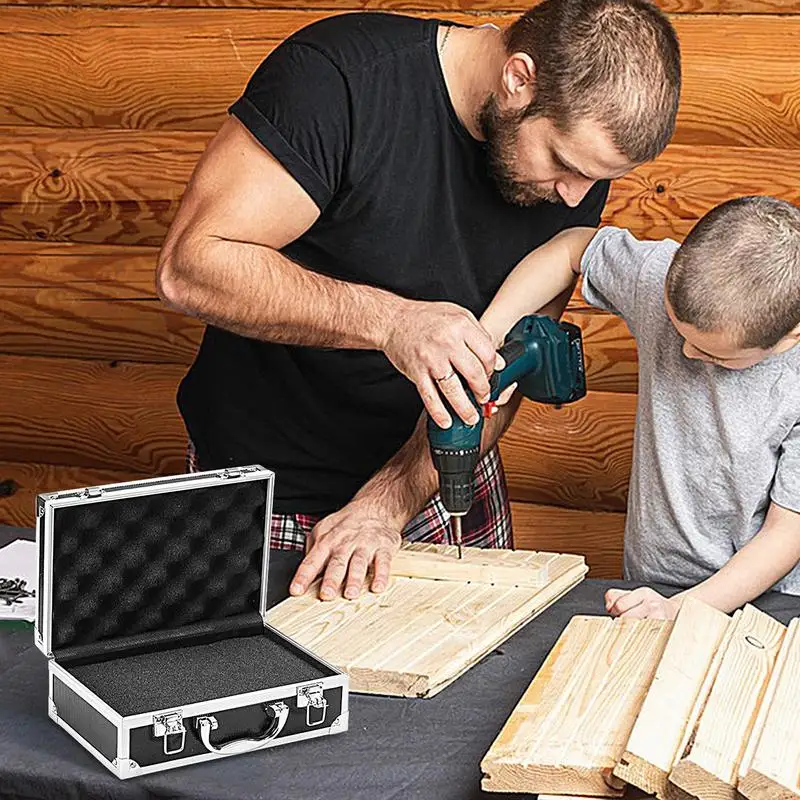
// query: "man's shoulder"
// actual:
[[355, 41]]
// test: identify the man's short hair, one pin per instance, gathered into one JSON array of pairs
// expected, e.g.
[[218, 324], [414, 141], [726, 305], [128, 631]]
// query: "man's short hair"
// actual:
[[739, 271], [614, 61]]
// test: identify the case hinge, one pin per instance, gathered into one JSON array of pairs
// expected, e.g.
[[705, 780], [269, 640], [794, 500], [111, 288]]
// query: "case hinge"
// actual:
[[231, 473], [93, 491], [309, 697], [39, 506], [166, 725]]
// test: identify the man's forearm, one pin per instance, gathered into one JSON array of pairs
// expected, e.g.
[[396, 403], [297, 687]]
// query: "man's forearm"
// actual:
[[256, 291], [764, 560], [403, 486]]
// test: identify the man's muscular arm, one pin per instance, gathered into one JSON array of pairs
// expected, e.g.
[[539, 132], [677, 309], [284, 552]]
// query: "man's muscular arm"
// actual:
[[367, 531], [221, 262]]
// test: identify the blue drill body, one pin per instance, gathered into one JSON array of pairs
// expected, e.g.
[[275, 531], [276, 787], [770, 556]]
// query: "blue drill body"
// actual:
[[545, 358]]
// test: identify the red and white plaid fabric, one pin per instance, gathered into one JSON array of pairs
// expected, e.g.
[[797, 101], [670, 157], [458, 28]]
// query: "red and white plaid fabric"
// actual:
[[488, 523]]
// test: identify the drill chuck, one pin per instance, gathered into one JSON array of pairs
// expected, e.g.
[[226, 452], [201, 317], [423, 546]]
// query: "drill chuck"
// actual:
[[456, 468]]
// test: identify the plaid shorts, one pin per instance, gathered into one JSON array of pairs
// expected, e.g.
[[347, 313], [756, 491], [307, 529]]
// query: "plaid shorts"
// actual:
[[488, 523]]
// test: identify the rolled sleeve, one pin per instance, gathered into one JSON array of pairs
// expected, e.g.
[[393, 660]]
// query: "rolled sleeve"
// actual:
[[786, 487]]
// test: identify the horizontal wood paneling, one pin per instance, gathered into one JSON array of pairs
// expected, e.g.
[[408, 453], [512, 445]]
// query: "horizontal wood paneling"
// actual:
[[110, 416], [578, 456], [598, 535], [123, 417], [99, 302], [671, 6], [20, 483], [123, 187], [178, 68]]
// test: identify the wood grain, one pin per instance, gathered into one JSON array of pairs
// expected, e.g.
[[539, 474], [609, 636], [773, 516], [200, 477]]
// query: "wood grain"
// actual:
[[88, 302], [419, 635], [653, 745], [124, 186], [710, 767], [671, 6], [596, 535], [59, 64], [578, 456], [107, 415], [20, 483], [570, 727], [772, 768]]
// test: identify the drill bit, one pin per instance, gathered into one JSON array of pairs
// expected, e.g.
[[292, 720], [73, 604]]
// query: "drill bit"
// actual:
[[455, 522]]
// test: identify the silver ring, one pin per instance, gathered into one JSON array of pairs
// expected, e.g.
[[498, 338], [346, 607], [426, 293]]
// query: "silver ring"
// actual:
[[446, 377]]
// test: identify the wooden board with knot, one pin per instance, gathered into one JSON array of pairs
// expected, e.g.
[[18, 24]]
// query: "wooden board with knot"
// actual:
[[438, 618]]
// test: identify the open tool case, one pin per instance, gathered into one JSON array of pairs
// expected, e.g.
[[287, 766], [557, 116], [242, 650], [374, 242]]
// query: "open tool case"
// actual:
[[151, 612]]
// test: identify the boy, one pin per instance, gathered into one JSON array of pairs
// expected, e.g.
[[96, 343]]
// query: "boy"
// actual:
[[714, 497]]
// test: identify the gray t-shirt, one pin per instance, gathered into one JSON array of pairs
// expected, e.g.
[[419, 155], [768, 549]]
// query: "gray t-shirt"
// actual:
[[712, 446]]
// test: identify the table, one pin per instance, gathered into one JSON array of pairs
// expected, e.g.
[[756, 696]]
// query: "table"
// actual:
[[396, 749]]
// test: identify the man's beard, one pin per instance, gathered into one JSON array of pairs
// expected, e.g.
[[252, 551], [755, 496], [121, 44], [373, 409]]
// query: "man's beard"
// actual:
[[502, 131]]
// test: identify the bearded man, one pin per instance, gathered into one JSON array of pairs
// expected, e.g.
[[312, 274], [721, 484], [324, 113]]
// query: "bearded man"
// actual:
[[373, 186]]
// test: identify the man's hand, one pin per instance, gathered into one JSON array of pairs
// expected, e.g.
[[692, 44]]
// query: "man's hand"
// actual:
[[432, 344], [345, 545], [641, 603]]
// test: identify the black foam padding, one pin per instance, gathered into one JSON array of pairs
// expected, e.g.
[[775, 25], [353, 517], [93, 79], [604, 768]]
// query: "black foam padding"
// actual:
[[164, 679], [154, 562]]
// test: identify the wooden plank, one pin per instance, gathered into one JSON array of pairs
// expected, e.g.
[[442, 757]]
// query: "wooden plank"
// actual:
[[476, 566], [571, 725], [20, 483], [88, 302], [671, 6], [710, 767], [421, 634], [124, 186], [653, 746], [101, 304], [772, 768], [57, 61], [596, 535], [110, 416], [578, 456]]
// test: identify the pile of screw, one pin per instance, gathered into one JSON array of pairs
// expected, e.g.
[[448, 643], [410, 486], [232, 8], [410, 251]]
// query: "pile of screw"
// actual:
[[12, 590]]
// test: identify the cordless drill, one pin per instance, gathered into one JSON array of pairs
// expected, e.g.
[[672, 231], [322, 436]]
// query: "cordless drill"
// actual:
[[545, 359]]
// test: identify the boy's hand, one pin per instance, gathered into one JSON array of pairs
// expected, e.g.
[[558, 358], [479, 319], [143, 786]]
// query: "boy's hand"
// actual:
[[641, 603]]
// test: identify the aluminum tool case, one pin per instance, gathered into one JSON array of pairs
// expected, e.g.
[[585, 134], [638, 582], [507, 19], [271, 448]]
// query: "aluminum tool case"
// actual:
[[151, 611]]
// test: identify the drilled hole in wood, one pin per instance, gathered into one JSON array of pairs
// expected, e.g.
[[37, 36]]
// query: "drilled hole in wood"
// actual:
[[660, 188], [753, 641], [56, 173], [41, 234]]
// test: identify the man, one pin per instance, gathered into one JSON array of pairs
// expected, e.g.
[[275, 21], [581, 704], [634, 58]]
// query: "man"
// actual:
[[374, 185]]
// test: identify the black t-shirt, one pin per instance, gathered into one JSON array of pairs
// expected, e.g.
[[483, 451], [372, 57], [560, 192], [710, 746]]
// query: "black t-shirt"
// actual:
[[356, 108]]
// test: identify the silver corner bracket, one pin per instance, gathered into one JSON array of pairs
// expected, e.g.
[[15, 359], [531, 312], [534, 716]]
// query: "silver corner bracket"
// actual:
[[312, 697], [166, 725]]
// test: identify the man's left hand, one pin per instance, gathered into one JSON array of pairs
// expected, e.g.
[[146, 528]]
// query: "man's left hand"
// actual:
[[641, 603], [344, 546]]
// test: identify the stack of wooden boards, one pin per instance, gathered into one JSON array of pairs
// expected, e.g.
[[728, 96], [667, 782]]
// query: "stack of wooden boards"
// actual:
[[439, 616], [707, 707]]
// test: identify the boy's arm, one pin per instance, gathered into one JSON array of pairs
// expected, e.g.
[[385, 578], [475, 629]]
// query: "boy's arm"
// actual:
[[539, 279], [765, 559]]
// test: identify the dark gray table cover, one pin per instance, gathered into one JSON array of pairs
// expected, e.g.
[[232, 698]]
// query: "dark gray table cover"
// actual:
[[395, 749]]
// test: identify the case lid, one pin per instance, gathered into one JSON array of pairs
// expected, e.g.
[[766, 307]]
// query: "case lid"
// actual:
[[151, 555]]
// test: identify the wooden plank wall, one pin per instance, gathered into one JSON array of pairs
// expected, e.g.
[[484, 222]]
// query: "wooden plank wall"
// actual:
[[105, 105]]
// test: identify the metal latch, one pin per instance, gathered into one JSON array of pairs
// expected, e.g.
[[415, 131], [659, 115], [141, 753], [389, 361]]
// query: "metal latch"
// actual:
[[93, 491], [309, 697], [231, 473], [166, 725]]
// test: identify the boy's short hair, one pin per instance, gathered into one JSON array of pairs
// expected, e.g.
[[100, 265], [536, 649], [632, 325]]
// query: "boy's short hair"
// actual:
[[739, 271], [614, 61]]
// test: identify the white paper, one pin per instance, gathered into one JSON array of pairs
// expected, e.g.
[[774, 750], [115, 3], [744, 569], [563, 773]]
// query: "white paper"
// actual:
[[18, 560]]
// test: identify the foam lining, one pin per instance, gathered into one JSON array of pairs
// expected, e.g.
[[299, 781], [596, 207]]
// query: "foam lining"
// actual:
[[155, 562], [193, 673]]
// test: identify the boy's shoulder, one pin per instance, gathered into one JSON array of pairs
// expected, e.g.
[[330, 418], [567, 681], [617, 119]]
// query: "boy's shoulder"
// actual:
[[623, 246]]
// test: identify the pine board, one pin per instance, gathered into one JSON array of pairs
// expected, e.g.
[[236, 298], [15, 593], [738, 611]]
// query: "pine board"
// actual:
[[772, 768], [656, 737], [570, 728], [710, 766], [419, 635]]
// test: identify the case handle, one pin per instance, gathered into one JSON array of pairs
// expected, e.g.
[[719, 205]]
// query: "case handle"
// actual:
[[280, 713]]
